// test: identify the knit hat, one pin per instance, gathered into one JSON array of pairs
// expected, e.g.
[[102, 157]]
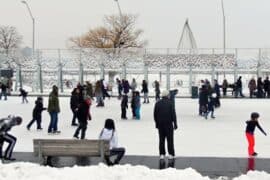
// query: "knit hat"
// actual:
[[165, 93]]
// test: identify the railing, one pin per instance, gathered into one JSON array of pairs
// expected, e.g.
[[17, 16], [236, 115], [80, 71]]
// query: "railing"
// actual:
[[59, 66]]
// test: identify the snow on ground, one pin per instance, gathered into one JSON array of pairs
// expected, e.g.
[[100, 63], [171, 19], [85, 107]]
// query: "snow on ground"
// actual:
[[21, 171], [220, 137]]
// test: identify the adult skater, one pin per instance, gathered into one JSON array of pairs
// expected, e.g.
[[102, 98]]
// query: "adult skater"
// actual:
[[145, 91], [24, 94], [157, 90], [53, 109], [37, 116], [3, 91], [166, 123], [5, 125], [83, 115], [250, 128], [74, 103], [109, 133], [239, 87], [124, 106]]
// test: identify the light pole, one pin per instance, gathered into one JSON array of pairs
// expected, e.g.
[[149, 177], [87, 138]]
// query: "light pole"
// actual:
[[224, 27], [120, 12], [33, 21]]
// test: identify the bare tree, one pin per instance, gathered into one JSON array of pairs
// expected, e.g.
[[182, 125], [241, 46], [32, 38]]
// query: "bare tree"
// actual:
[[117, 32], [10, 39]]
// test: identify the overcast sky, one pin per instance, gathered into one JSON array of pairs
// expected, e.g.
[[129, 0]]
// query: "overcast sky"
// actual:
[[248, 21]]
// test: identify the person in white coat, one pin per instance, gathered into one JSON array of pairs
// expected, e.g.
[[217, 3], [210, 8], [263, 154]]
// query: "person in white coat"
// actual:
[[109, 133]]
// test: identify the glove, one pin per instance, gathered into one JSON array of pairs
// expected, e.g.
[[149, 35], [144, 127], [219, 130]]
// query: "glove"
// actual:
[[265, 134], [175, 126]]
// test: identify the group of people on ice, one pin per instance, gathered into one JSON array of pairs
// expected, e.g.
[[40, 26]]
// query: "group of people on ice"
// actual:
[[209, 98], [81, 99]]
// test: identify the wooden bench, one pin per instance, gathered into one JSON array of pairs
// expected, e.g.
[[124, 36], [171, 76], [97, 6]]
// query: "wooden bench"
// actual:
[[44, 148]]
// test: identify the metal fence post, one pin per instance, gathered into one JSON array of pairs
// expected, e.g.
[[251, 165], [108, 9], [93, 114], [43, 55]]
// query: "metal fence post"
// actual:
[[190, 79], [124, 71], [235, 65], [168, 77], [60, 72]]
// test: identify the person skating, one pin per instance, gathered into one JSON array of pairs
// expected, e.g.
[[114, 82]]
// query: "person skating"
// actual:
[[133, 105], [83, 114], [250, 128], [266, 86], [239, 87], [145, 91], [124, 106], [37, 114], [24, 94], [137, 103], [109, 133], [252, 87], [74, 103], [203, 101], [53, 109], [166, 122], [3, 91], [157, 90], [5, 125], [211, 106]]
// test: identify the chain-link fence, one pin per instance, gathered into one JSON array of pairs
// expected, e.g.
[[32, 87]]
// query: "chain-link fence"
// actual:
[[173, 68]]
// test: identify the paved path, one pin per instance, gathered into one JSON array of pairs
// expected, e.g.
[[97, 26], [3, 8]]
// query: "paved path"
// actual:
[[207, 166]]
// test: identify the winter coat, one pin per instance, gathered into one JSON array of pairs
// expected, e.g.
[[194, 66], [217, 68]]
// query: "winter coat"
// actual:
[[111, 135], [144, 88], [38, 109], [164, 114], [23, 93], [53, 104], [3, 87], [252, 85], [217, 90], [83, 113], [126, 87], [6, 124], [203, 97], [74, 101], [137, 102]]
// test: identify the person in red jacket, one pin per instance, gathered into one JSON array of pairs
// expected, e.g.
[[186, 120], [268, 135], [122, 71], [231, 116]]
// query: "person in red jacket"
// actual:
[[250, 128]]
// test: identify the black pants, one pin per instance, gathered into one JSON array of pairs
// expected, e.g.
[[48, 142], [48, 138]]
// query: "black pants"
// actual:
[[74, 116], [133, 112], [11, 140], [38, 120], [24, 99], [123, 113], [82, 127], [157, 96], [118, 152], [166, 133]]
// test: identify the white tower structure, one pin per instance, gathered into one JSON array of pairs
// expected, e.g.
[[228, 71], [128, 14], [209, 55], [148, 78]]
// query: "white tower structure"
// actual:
[[187, 40]]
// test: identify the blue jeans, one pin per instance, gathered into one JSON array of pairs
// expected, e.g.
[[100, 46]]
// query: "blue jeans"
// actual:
[[53, 122]]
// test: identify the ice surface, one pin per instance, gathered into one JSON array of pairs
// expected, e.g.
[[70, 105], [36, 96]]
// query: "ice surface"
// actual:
[[195, 136]]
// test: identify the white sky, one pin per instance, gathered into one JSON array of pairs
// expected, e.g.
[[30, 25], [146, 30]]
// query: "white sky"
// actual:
[[162, 20]]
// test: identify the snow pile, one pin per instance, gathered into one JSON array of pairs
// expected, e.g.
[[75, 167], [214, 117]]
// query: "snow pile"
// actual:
[[254, 175], [23, 171], [29, 171]]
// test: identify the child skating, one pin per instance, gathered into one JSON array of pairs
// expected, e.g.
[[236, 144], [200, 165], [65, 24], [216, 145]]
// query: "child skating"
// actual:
[[37, 114], [250, 128]]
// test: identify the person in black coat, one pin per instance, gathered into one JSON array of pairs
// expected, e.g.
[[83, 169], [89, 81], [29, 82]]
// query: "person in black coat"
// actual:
[[145, 91], [74, 104], [83, 115], [166, 123], [260, 85], [3, 91], [266, 87], [24, 94], [203, 101], [37, 114], [124, 106]]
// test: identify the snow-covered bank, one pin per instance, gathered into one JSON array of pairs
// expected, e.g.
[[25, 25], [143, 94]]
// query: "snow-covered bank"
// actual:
[[28, 171]]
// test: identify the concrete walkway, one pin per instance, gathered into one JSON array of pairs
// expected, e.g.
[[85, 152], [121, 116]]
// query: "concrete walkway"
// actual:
[[207, 166]]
